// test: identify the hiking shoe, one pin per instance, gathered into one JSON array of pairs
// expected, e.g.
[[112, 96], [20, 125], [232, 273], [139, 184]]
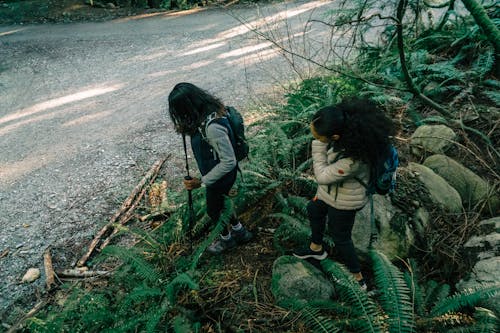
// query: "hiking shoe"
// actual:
[[220, 245], [241, 236], [306, 253], [362, 284]]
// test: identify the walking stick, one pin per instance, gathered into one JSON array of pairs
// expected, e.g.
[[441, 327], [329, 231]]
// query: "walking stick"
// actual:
[[190, 197]]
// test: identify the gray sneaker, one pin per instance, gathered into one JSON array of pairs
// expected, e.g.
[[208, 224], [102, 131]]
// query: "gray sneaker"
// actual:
[[220, 245], [241, 236]]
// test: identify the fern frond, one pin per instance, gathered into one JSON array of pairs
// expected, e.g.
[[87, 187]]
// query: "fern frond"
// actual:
[[138, 295], [434, 293], [154, 319], [463, 299], [411, 278], [492, 95], [394, 294], [181, 280], [440, 71], [484, 63], [350, 292], [297, 204], [315, 321], [134, 257], [304, 166]]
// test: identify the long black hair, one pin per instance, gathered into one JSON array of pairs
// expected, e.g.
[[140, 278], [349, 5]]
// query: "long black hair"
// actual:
[[363, 128], [189, 105]]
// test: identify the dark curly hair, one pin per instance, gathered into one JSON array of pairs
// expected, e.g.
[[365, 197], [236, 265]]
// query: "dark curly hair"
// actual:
[[189, 105], [363, 128]]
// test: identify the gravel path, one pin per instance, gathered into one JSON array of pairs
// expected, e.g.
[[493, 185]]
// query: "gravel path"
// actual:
[[82, 118]]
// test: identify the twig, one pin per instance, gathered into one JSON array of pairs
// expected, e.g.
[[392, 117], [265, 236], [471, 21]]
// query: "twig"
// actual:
[[49, 269], [125, 208]]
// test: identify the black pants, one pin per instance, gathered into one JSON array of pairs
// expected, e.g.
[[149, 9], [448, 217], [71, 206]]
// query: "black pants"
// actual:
[[215, 197], [340, 223]]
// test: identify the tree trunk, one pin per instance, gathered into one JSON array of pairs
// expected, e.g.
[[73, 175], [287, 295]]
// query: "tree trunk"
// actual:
[[484, 22]]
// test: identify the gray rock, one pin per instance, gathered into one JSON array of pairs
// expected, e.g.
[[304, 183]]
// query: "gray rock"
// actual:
[[296, 278], [485, 272], [393, 243], [472, 188], [439, 189], [421, 221], [432, 138], [490, 225]]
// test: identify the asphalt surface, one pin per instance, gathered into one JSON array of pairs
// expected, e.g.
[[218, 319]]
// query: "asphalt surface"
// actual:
[[83, 117]]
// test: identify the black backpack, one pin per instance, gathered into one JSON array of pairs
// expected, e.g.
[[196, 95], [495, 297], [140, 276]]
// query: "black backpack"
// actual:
[[237, 127]]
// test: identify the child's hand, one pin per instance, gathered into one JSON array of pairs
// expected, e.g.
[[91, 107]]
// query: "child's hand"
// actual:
[[191, 184]]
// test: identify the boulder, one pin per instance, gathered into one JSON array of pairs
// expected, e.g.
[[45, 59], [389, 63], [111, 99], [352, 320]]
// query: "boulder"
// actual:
[[394, 233], [431, 138], [421, 220], [486, 245], [298, 279], [440, 191], [472, 188]]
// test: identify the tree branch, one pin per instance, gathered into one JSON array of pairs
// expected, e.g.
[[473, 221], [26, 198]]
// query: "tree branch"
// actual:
[[409, 80]]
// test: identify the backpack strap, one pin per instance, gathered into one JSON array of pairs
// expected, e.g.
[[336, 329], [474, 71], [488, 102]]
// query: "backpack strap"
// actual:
[[203, 131], [373, 227]]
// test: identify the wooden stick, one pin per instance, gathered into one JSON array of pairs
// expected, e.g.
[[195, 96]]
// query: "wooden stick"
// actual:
[[124, 208], [123, 220], [49, 270], [77, 273]]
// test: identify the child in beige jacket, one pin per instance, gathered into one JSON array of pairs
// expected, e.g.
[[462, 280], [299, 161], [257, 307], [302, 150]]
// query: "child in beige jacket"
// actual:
[[348, 139]]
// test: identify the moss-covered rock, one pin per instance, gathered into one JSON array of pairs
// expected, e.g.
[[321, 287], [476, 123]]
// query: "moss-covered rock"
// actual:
[[432, 138], [297, 279], [472, 188], [441, 192]]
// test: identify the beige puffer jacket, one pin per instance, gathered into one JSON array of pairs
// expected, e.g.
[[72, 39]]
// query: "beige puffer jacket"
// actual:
[[336, 184]]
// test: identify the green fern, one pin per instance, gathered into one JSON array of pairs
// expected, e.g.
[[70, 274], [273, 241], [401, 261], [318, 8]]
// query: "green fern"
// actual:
[[492, 95], [139, 294], [181, 280], [363, 307], [134, 257], [221, 224], [484, 63], [316, 321], [435, 292], [463, 299], [394, 294]]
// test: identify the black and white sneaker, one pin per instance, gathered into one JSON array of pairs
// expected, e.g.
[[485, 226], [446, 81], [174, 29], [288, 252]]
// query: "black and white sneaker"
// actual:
[[306, 253], [241, 236]]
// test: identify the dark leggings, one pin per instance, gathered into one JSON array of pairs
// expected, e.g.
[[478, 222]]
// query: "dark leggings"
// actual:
[[215, 201], [340, 223]]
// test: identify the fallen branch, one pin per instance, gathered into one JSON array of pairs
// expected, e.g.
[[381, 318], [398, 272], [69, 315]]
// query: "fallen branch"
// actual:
[[124, 209], [123, 220], [80, 274], [49, 270]]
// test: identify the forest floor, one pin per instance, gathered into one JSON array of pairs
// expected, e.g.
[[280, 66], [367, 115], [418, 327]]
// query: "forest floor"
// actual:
[[82, 117]]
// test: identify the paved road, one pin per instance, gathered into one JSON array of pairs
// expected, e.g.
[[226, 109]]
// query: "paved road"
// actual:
[[82, 117]]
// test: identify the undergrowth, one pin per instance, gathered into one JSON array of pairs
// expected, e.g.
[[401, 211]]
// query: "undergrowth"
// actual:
[[166, 282]]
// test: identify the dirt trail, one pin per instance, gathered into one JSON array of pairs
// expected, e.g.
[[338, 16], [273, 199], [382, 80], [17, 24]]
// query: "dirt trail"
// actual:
[[82, 118]]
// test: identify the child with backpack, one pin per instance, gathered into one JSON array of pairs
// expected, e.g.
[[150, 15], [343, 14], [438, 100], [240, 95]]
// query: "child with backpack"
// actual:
[[349, 138], [203, 117]]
